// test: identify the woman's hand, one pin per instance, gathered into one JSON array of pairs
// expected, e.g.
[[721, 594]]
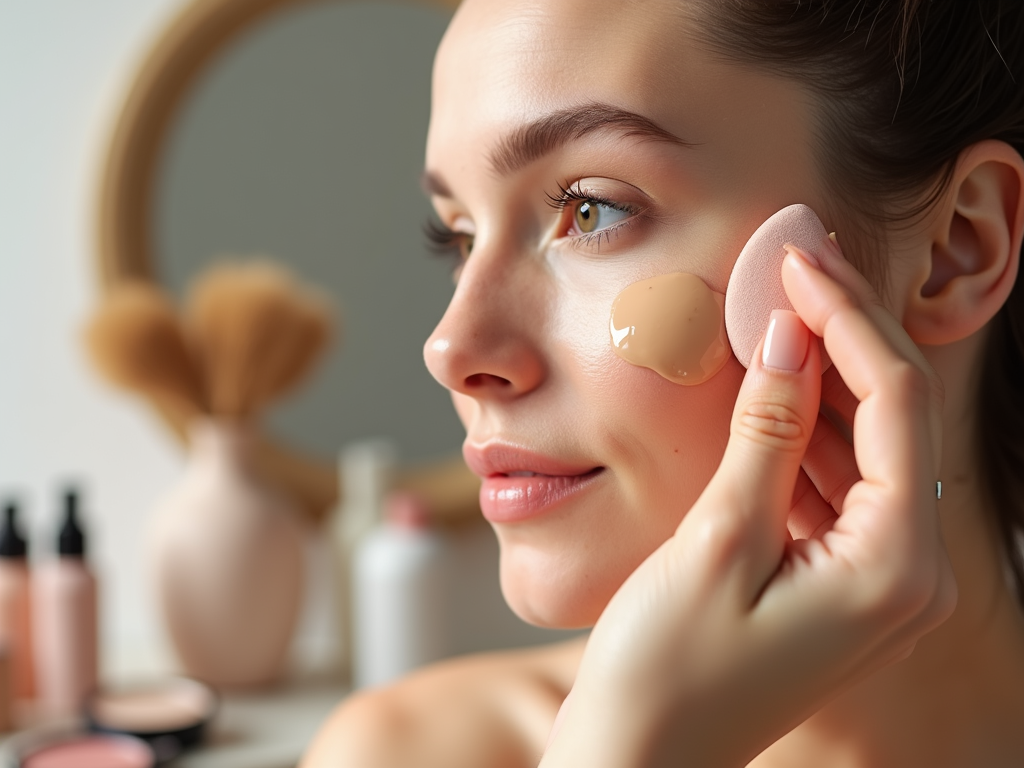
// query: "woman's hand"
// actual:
[[733, 632]]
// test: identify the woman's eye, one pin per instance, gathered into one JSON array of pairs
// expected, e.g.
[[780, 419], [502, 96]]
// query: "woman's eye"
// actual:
[[588, 216], [592, 216], [465, 245], [448, 242]]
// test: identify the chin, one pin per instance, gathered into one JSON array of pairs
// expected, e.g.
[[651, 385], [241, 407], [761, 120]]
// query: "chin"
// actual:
[[555, 593]]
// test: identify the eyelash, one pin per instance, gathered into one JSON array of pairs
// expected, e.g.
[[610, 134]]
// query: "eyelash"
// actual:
[[448, 243], [574, 194]]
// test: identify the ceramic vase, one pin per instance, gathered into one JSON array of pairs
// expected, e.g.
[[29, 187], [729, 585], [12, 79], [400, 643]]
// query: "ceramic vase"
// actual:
[[228, 556]]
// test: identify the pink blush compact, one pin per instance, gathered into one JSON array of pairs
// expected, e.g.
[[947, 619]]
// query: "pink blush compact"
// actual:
[[91, 751]]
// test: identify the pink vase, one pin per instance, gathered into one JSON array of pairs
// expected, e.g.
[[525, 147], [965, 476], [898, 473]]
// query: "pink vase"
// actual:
[[228, 557]]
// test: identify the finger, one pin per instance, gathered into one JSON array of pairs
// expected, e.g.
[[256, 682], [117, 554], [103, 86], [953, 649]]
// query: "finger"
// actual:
[[849, 287], [899, 396], [809, 514], [830, 465], [740, 519], [838, 404]]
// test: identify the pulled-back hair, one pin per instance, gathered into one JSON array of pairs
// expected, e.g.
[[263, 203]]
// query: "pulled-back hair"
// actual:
[[902, 88]]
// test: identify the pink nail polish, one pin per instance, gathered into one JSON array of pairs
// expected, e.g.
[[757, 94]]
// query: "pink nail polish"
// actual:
[[785, 343]]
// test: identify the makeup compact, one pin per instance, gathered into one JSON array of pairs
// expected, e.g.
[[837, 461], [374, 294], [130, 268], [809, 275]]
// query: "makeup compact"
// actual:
[[170, 715], [72, 749]]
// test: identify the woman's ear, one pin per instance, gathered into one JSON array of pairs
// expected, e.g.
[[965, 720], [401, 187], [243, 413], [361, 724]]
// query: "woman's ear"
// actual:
[[976, 238]]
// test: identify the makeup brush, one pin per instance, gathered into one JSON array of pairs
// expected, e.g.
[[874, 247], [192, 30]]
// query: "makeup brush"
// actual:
[[135, 339], [257, 332]]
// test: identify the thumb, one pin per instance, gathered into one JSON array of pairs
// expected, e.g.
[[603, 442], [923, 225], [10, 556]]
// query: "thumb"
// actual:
[[746, 504]]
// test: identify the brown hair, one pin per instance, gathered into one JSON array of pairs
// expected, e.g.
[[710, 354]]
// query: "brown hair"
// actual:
[[903, 87]]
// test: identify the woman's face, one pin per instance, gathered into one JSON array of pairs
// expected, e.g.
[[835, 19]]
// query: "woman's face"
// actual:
[[576, 147]]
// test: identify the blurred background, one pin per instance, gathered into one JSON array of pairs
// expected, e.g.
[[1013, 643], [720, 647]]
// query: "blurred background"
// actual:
[[301, 139]]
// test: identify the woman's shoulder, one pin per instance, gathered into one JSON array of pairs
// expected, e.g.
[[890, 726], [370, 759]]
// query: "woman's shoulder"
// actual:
[[484, 710]]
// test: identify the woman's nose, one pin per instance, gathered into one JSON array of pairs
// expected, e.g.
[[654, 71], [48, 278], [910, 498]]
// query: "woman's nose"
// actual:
[[487, 345]]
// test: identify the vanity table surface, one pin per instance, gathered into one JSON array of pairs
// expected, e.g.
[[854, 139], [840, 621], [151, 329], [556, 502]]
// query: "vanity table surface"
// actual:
[[269, 729], [265, 730]]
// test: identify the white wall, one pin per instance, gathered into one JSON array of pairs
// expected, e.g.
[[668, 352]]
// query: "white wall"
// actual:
[[62, 66]]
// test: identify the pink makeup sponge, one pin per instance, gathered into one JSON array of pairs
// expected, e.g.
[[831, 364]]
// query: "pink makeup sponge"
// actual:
[[755, 286]]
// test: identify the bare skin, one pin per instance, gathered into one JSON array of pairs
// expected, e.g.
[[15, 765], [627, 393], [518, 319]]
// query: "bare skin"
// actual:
[[487, 711], [958, 700]]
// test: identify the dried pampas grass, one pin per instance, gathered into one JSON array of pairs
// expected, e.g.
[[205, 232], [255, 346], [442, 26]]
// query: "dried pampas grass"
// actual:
[[137, 342], [250, 333], [257, 333]]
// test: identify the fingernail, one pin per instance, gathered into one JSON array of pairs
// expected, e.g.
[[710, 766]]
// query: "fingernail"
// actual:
[[802, 255], [785, 343], [833, 244]]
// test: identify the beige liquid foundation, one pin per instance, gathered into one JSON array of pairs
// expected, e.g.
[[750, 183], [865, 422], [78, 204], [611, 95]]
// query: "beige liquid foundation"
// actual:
[[15, 607], [680, 328], [65, 622], [673, 324]]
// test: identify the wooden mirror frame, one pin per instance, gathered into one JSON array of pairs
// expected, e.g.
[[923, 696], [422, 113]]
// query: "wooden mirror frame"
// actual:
[[181, 53]]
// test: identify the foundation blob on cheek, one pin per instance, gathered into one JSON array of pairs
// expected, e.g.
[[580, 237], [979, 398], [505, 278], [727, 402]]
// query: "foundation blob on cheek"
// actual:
[[673, 324]]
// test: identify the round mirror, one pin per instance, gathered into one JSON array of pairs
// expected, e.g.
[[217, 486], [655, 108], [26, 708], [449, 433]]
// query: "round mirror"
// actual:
[[304, 141], [301, 140]]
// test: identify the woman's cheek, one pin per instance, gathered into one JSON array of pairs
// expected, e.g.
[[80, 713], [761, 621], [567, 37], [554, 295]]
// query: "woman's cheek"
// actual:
[[666, 440], [661, 443]]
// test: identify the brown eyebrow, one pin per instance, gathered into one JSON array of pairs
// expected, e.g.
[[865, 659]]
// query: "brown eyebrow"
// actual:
[[434, 185], [532, 141]]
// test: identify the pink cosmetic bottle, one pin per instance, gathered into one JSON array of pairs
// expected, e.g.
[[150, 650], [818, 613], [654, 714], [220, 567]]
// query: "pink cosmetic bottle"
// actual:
[[15, 605], [65, 622]]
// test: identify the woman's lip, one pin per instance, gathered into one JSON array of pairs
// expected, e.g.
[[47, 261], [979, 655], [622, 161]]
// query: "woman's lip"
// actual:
[[512, 499], [519, 484], [503, 459]]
